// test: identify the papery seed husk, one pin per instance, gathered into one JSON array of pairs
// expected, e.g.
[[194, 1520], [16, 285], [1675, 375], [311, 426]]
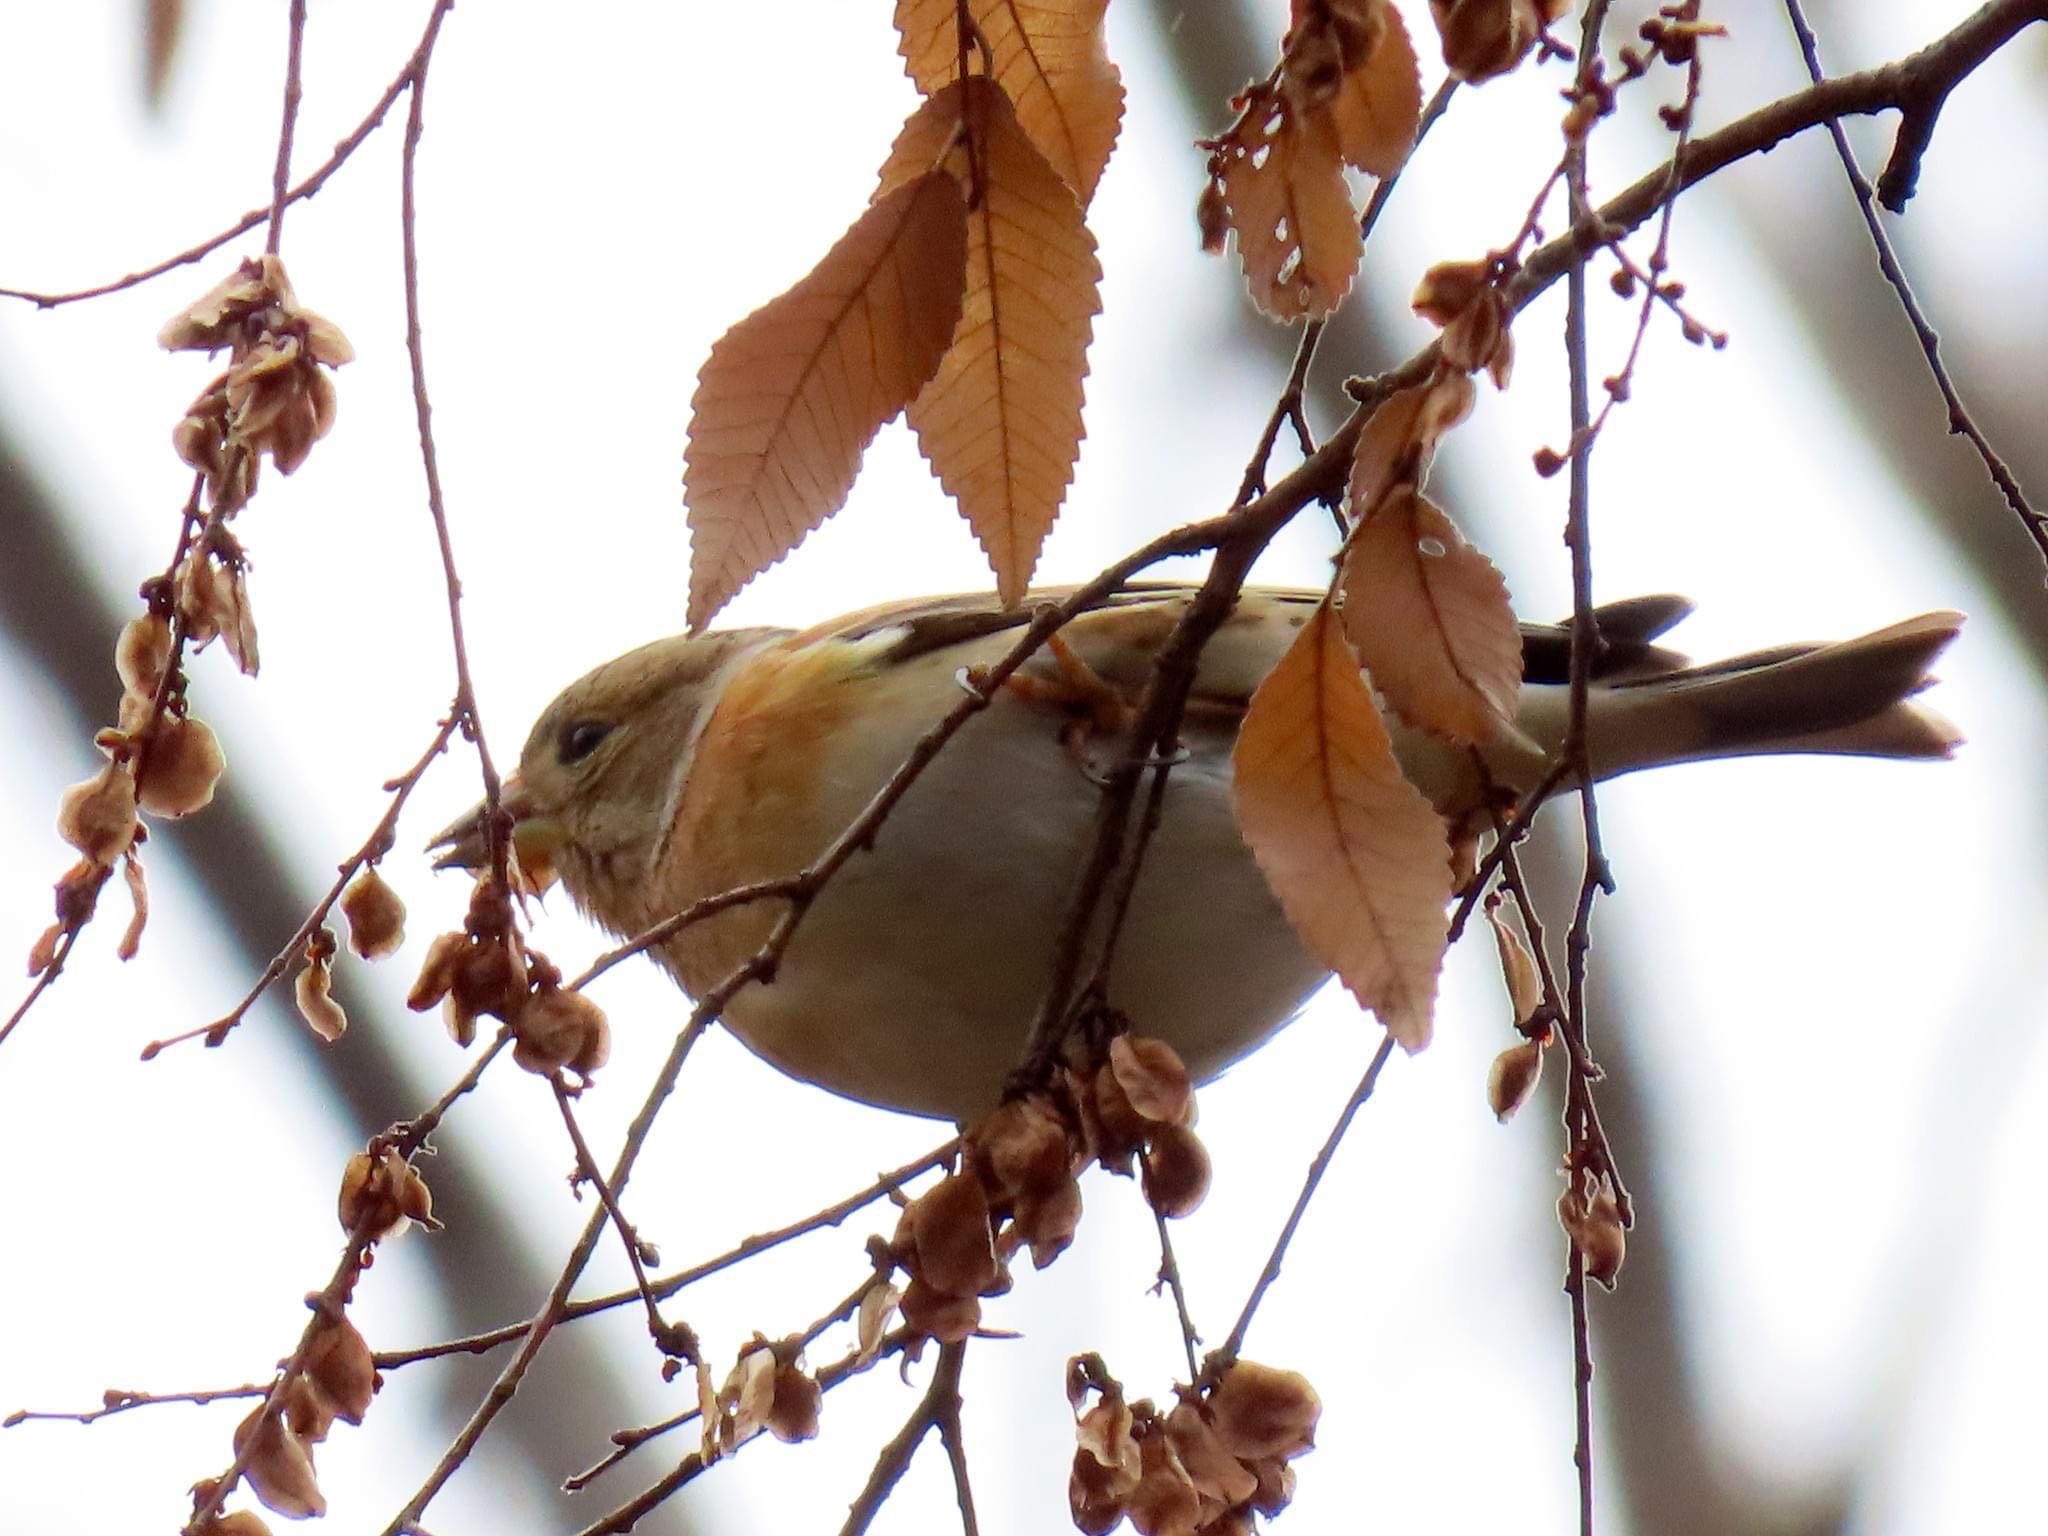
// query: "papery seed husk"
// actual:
[[180, 766]]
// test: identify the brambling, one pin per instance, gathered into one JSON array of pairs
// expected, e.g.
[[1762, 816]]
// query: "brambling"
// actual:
[[701, 762]]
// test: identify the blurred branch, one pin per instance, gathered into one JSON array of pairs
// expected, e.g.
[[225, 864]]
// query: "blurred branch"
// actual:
[[1960, 420]]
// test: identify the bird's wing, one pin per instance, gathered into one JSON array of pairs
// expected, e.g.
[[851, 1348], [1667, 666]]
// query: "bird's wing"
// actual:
[[921, 626]]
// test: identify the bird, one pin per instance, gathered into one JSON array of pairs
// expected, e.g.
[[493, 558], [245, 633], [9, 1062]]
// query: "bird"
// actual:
[[704, 761]]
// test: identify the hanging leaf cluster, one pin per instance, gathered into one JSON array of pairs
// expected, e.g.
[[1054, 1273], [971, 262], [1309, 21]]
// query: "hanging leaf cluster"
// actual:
[[964, 296]]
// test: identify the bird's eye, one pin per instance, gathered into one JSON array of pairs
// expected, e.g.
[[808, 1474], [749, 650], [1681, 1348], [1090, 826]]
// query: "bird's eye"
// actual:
[[580, 738]]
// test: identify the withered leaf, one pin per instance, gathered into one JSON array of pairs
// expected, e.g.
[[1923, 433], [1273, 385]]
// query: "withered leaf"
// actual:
[[1000, 422], [1377, 102], [1282, 181], [1430, 617], [1400, 437], [792, 395], [1048, 57], [1355, 854]]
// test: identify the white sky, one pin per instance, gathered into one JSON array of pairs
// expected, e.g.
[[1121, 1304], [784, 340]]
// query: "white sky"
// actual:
[[1841, 1030]]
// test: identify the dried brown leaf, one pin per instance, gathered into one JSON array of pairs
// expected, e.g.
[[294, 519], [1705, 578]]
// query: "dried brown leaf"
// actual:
[[1400, 437], [1378, 104], [1001, 420], [792, 395], [1354, 852], [1284, 194], [1430, 617], [1048, 57]]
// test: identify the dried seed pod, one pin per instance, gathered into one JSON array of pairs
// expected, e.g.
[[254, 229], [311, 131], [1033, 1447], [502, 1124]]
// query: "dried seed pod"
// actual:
[[279, 1466], [941, 1316], [1025, 1146], [376, 916], [1176, 1171], [1513, 1077], [793, 1415], [339, 1364], [143, 654], [138, 897], [313, 991], [437, 971], [1215, 1473], [871, 1322], [179, 767], [1593, 1223], [1154, 1079], [1047, 1220], [1261, 1411], [1165, 1502], [553, 1029], [243, 1522], [98, 817], [954, 1247], [381, 1194], [305, 1411]]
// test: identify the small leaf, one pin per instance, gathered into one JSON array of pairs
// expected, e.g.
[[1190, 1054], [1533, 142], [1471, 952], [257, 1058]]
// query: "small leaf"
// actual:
[[1284, 194], [1352, 850], [1001, 420], [1400, 437], [1430, 617], [1048, 57], [792, 395]]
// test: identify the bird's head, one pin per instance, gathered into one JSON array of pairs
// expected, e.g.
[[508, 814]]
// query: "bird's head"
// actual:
[[598, 776]]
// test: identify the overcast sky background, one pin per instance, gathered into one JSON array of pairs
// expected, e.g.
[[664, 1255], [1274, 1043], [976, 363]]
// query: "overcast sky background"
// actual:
[[1835, 967]]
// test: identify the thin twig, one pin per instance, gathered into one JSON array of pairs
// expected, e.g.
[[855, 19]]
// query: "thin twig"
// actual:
[[1169, 1277], [281, 177], [629, 1238], [940, 1402], [115, 1401], [1960, 421], [692, 1466], [1316, 1169], [405, 1139], [257, 216], [464, 707], [1585, 640], [664, 1288], [373, 848]]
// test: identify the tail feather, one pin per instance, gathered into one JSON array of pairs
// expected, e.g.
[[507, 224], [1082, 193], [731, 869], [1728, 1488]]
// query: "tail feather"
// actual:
[[1852, 697]]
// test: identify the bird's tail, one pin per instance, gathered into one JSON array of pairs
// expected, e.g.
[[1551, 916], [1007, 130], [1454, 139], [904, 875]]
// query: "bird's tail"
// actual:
[[1854, 697]]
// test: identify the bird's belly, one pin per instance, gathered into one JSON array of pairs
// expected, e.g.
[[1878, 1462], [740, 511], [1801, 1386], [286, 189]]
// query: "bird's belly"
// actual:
[[912, 981]]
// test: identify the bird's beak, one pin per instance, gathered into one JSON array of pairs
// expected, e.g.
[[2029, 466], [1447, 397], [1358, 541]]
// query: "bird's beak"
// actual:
[[465, 844]]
